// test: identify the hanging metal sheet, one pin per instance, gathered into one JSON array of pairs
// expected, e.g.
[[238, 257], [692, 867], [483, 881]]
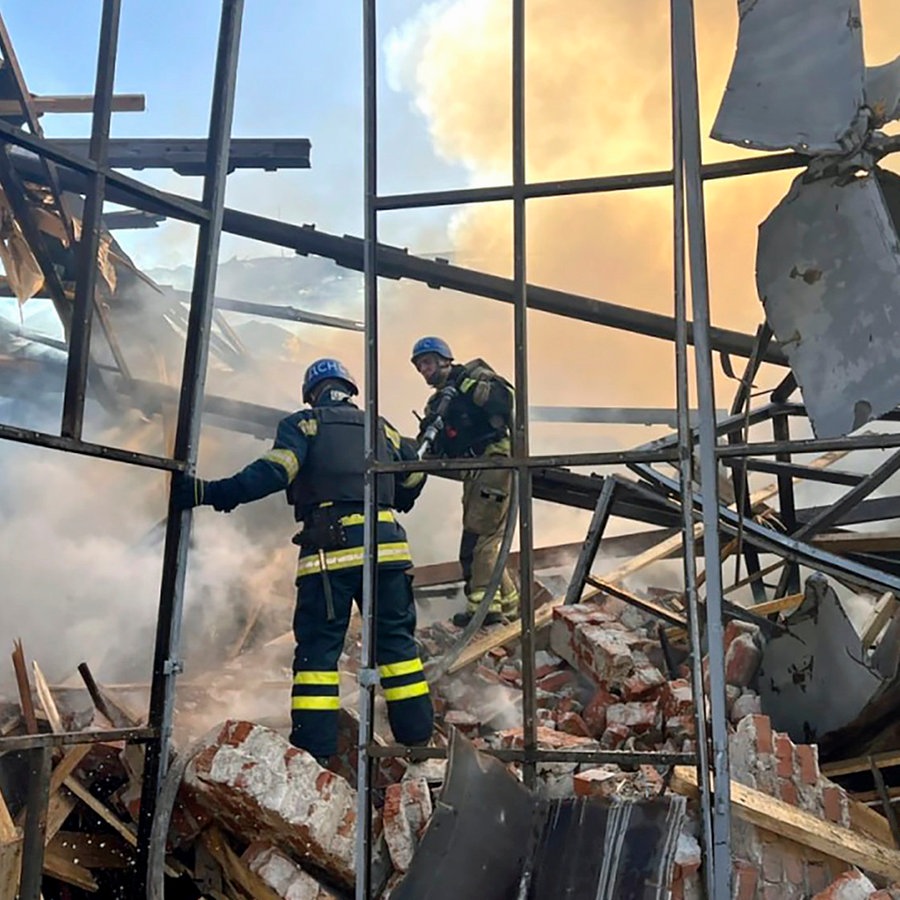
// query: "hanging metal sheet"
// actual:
[[801, 669], [797, 79], [828, 275], [491, 838]]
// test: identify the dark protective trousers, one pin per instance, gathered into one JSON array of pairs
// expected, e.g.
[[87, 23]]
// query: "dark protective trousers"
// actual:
[[315, 700]]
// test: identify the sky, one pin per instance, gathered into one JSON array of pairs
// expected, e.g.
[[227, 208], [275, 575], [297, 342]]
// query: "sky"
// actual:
[[299, 75]]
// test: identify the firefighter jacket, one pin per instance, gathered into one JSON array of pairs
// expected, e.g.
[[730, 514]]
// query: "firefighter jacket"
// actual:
[[479, 418], [318, 459]]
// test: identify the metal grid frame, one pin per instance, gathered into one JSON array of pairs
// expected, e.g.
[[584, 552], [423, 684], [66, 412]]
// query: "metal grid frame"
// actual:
[[208, 214], [92, 177], [687, 181]]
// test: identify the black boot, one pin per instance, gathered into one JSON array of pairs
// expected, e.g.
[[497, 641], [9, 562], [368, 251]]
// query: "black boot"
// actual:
[[461, 619]]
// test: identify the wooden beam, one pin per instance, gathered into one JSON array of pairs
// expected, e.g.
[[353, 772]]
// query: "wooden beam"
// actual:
[[787, 821], [861, 763], [235, 869], [647, 606], [73, 103], [47, 702], [885, 610], [10, 854], [25, 700], [93, 851], [58, 866], [858, 542]]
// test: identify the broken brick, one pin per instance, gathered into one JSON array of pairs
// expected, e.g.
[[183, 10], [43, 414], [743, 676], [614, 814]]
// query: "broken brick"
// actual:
[[285, 877], [638, 717], [261, 788], [742, 659], [407, 809], [851, 885], [594, 713], [572, 723]]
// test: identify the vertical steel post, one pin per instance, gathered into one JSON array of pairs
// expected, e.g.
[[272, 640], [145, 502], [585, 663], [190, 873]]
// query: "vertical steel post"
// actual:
[[39, 765], [520, 437], [686, 479], [166, 664], [367, 673], [685, 66], [91, 223], [781, 431]]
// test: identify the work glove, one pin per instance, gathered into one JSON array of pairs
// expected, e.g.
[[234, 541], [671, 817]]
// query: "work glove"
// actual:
[[187, 491]]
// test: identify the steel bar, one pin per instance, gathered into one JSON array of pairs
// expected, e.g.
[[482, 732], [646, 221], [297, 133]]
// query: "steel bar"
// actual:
[[130, 219], [187, 156], [23, 742], [591, 542], [657, 453], [879, 509], [40, 760], [70, 103], [784, 389], [889, 812], [393, 262], [794, 470], [521, 298], [624, 757], [687, 103], [166, 664], [764, 337], [829, 516], [365, 769], [84, 448], [685, 439], [609, 415], [289, 313], [120, 188], [771, 162], [30, 116], [788, 547], [89, 245]]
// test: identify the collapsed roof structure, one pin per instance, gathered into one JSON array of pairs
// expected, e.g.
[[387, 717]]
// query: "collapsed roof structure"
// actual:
[[697, 681]]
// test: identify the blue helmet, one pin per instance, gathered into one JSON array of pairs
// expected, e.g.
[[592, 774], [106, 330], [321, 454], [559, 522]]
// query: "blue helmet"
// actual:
[[322, 370], [431, 345]]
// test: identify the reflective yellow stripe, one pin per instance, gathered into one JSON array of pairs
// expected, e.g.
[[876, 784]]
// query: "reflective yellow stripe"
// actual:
[[308, 427], [393, 436], [345, 559], [315, 702], [384, 515], [414, 479], [407, 667], [466, 385], [405, 692], [317, 678], [287, 459]]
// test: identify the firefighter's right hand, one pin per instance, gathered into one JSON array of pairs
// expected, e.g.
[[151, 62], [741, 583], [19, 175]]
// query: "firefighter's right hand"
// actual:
[[187, 491]]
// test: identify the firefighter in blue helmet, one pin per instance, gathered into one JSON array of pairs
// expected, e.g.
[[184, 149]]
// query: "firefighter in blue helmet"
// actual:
[[318, 459], [470, 414]]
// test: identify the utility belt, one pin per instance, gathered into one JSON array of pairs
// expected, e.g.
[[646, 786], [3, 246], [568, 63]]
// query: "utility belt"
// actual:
[[324, 528], [482, 444]]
